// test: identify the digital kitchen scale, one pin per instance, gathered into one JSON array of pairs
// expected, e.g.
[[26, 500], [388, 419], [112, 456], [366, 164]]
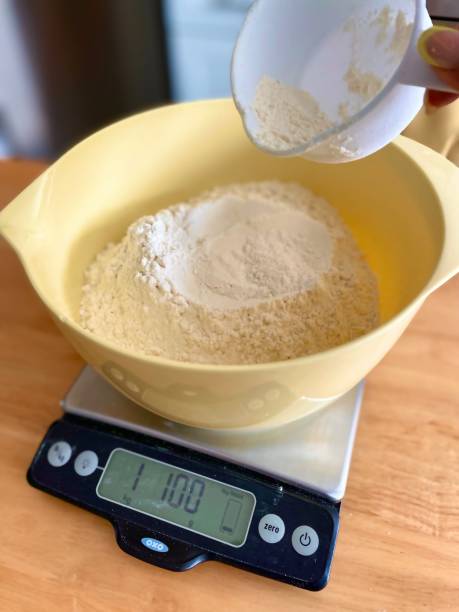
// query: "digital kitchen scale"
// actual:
[[265, 501]]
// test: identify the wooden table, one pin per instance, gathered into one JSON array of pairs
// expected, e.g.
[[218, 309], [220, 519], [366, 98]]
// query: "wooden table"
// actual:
[[398, 548]]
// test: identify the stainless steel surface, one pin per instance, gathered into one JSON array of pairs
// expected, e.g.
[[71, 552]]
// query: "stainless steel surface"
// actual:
[[314, 452], [443, 9]]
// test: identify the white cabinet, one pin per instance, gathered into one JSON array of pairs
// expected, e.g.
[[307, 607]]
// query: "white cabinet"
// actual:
[[200, 37]]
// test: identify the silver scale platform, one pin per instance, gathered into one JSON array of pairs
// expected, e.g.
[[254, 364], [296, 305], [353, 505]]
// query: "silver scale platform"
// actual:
[[313, 453]]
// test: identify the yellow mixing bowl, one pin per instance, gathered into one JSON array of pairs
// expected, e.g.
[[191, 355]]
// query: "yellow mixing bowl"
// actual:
[[401, 204]]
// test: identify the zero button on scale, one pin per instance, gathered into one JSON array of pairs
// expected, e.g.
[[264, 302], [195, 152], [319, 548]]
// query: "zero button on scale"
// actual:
[[271, 528]]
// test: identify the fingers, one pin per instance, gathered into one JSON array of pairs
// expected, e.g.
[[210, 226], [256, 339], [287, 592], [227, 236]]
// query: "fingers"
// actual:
[[437, 99], [439, 46], [450, 77]]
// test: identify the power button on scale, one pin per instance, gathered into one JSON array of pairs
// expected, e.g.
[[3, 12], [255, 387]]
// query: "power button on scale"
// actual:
[[305, 540]]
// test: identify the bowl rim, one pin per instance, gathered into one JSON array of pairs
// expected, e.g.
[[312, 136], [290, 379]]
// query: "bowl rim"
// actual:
[[157, 361]]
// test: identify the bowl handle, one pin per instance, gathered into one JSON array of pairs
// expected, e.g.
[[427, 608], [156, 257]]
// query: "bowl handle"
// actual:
[[444, 176], [21, 220]]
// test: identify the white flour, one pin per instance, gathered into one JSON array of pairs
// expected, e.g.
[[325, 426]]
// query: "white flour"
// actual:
[[246, 273], [365, 84], [234, 252], [401, 36], [287, 116]]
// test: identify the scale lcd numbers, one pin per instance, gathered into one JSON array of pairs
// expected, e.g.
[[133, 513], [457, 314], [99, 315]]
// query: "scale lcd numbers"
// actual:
[[194, 502]]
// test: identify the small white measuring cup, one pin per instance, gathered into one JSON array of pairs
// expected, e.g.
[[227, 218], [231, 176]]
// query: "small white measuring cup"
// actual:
[[311, 45]]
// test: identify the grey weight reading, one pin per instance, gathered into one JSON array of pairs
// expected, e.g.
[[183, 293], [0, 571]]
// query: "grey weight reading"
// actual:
[[197, 503]]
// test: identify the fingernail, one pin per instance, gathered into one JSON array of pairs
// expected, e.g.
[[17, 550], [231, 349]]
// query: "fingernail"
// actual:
[[439, 46]]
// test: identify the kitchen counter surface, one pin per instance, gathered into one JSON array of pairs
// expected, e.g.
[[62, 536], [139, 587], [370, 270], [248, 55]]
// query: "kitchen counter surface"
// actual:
[[398, 547]]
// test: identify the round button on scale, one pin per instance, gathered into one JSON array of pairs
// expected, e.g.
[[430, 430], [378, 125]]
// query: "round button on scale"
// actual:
[[86, 463], [271, 528], [305, 540], [59, 453]]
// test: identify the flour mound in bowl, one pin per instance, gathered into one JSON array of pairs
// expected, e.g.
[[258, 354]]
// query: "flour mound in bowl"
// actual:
[[245, 273]]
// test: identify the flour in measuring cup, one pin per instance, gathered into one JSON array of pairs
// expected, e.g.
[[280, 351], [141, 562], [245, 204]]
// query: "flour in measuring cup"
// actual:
[[390, 31], [290, 118]]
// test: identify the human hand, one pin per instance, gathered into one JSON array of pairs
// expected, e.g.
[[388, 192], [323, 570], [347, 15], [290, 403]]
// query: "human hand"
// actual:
[[439, 46]]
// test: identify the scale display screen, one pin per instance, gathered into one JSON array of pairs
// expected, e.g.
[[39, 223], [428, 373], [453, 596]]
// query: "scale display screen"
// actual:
[[197, 503]]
